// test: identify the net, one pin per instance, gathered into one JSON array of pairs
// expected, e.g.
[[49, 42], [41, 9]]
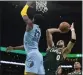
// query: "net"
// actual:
[[41, 6]]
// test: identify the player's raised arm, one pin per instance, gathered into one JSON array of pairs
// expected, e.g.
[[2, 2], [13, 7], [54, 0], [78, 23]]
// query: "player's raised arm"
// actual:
[[72, 42], [24, 14], [15, 48], [49, 37], [73, 38]]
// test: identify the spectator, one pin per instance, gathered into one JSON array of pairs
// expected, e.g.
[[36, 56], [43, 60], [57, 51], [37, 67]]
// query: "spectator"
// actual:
[[59, 71], [77, 69]]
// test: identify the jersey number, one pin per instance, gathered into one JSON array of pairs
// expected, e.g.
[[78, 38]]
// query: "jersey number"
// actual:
[[58, 57], [37, 35]]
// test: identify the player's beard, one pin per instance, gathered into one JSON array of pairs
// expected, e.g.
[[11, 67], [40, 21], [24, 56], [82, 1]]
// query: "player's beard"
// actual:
[[60, 46]]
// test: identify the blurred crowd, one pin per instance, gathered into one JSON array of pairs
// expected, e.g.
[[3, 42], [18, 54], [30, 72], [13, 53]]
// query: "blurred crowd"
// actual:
[[76, 71]]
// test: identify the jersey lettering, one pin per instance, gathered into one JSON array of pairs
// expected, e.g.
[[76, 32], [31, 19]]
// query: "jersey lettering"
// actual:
[[36, 35]]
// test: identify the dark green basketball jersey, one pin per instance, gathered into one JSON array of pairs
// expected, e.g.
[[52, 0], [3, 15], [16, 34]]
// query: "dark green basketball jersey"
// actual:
[[53, 59]]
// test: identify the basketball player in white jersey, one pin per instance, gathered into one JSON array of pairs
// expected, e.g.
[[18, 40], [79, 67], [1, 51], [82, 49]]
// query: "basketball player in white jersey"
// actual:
[[34, 59]]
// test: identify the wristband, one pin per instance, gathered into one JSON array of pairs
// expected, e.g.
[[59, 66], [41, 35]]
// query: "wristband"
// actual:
[[73, 40]]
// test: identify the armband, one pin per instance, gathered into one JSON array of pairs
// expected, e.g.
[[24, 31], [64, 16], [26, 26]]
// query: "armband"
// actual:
[[24, 10], [73, 40]]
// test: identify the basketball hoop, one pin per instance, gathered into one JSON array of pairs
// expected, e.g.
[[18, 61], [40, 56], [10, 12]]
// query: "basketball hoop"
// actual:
[[41, 5]]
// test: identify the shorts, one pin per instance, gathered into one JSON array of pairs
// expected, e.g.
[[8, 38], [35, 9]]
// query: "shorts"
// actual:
[[34, 63]]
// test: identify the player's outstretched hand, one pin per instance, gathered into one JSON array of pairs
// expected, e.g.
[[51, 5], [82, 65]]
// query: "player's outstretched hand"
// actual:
[[31, 3], [72, 27], [9, 48]]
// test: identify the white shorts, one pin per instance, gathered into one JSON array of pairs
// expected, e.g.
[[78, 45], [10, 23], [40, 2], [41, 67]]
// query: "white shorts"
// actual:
[[34, 63]]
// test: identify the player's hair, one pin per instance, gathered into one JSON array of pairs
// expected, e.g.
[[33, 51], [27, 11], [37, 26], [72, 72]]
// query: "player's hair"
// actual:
[[38, 19]]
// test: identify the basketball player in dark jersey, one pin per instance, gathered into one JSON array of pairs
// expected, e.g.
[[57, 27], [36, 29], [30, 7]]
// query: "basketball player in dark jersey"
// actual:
[[56, 54]]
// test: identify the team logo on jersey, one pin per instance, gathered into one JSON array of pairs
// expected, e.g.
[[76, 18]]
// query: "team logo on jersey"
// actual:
[[30, 64]]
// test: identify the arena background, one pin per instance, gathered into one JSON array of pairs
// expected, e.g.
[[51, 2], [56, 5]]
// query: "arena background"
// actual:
[[13, 27]]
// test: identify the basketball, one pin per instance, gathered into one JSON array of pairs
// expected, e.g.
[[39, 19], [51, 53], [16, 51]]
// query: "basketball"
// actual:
[[64, 26]]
